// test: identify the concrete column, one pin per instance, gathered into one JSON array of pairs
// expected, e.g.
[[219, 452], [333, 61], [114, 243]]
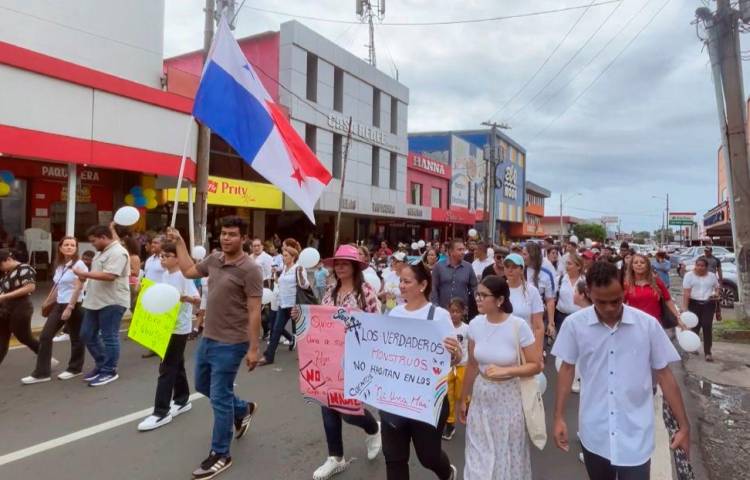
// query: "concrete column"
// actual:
[[70, 214]]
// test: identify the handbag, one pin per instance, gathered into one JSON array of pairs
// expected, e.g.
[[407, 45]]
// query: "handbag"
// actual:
[[668, 320], [304, 295], [51, 300], [533, 406]]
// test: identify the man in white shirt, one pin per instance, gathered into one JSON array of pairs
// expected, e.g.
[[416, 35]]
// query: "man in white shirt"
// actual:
[[153, 269], [263, 259], [617, 349], [481, 260]]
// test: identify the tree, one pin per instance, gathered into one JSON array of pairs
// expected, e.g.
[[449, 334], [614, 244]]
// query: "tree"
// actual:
[[670, 235], [593, 231], [641, 237]]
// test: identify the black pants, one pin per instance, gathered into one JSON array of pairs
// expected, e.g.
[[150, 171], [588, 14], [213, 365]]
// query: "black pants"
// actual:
[[332, 422], [705, 312], [53, 325], [172, 383], [599, 468], [559, 319], [15, 318], [399, 433]]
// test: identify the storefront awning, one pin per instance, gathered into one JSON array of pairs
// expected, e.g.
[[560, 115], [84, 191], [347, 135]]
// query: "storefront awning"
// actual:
[[236, 193]]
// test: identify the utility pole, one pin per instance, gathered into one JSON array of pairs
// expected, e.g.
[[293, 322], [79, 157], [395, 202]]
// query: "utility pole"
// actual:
[[562, 238], [367, 10], [723, 43], [344, 162], [490, 182], [226, 7]]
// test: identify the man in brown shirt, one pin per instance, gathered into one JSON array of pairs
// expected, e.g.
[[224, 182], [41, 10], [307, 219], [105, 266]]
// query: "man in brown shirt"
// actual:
[[232, 324]]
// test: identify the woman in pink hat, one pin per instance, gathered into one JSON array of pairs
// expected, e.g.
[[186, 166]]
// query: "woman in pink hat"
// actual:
[[350, 290]]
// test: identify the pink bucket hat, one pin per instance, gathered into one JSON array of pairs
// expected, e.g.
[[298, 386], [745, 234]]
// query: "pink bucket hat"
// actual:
[[345, 252]]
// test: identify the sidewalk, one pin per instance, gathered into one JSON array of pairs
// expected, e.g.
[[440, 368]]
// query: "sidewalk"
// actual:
[[721, 421]]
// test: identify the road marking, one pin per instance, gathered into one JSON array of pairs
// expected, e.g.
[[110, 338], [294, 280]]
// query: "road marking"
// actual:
[[79, 435]]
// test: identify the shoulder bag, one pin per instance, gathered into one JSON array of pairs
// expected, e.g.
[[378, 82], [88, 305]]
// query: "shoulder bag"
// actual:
[[304, 295], [533, 406], [668, 320], [51, 300]]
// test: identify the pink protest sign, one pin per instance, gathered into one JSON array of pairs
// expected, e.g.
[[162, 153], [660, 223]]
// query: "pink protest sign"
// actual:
[[320, 344]]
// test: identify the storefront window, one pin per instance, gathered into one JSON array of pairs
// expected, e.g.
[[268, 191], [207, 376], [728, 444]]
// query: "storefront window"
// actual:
[[13, 215], [416, 193], [86, 216]]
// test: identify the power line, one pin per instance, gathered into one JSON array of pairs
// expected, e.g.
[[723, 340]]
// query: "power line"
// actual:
[[570, 60], [622, 214], [438, 22], [601, 50], [546, 60], [601, 74]]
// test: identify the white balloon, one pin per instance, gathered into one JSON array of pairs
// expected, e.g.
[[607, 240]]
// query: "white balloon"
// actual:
[[541, 380], [199, 252], [689, 341], [309, 257], [267, 296], [414, 246], [127, 216], [472, 233], [373, 279], [490, 253], [588, 242], [421, 244], [574, 239], [160, 298], [689, 319]]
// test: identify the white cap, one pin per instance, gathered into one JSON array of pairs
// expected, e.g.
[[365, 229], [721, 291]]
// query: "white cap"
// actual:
[[573, 239], [400, 256]]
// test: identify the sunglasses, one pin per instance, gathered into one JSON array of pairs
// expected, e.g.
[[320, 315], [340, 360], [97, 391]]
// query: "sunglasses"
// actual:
[[499, 257]]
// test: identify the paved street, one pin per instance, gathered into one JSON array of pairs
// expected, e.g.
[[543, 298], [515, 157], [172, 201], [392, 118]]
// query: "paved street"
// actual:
[[286, 439]]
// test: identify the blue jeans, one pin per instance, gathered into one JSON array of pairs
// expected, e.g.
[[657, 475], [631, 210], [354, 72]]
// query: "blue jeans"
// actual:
[[277, 330], [105, 348], [216, 366]]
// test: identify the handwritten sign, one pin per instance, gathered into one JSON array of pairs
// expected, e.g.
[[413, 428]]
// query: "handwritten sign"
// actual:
[[152, 330], [398, 365], [320, 344]]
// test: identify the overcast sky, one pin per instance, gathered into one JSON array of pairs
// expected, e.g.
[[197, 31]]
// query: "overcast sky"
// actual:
[[647, 127]]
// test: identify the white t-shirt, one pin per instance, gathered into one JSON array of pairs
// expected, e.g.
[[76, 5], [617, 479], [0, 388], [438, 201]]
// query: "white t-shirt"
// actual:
[[66, 282], [526, 304], [701, 287], [391, 282], [288, 286], [462, 335], [495, 343], [566, 302], [480, 265], [265, 261], [441, 315], [547, 278], [186, 287], [153, 269]]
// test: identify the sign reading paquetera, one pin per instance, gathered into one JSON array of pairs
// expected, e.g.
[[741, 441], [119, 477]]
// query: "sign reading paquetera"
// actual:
[[398, 365], [320, 345], [152, 330]]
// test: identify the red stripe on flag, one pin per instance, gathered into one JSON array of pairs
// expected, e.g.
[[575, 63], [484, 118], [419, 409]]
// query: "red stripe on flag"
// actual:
[[302, 157]]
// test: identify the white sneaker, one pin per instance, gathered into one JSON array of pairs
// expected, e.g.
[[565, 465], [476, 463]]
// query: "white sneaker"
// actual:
[[454, 473], [32, 380], [576, 388], [580, 457], [66, 375], [374, 443], [284, 341], [330, 468], [176, 410], [53, 363], [153, 422], [63, 337]]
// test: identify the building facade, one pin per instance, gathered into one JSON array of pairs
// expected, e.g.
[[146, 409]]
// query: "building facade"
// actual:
[[532, 227], [82, 110], [717, 222], [552, 226]]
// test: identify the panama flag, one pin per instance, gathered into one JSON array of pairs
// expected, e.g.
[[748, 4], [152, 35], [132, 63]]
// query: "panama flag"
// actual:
[[232, 102]]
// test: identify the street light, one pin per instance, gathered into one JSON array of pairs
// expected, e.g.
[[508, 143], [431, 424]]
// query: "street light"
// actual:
[[665, 219], [561, 211]]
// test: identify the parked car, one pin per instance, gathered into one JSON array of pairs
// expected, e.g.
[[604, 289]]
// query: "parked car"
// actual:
[[729, 291], [691, 254]]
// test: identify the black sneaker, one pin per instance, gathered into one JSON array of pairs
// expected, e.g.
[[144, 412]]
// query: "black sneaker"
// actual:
[[243, 424], [449, 431], [293, 344], [212, 466]]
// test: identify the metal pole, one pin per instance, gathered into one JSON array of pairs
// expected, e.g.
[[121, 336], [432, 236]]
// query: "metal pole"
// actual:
[[70, 215], [666, 221], [341, 187], [204, 139], [562, 238], [723, 49]]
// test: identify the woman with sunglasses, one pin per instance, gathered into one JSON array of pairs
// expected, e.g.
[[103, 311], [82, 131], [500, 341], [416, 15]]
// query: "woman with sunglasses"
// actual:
[[497, 446], [399, 433], [497, 267], [525, 298]]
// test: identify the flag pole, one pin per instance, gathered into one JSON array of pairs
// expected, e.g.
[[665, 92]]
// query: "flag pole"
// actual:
[[343, 180], [182, 172]]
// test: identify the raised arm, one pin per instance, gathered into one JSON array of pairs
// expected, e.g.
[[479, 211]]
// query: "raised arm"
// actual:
[[187, 266]]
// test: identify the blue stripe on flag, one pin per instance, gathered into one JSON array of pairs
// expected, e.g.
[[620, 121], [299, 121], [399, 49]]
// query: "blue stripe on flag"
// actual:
[[231, 111]]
